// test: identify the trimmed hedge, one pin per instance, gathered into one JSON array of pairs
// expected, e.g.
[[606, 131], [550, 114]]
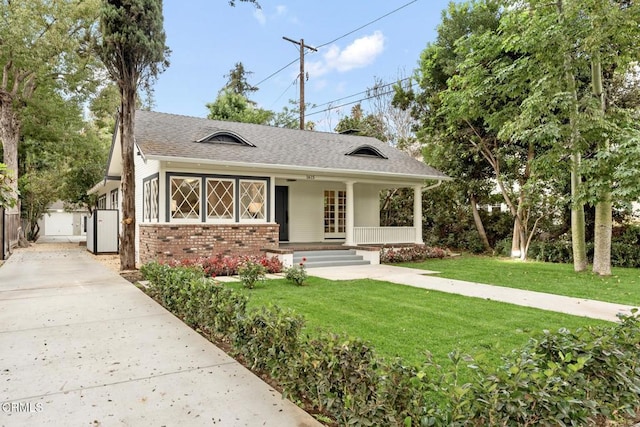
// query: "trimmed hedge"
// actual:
[[589, 376]]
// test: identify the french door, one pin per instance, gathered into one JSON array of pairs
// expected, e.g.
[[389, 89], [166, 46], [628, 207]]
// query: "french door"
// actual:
[[335, 214]]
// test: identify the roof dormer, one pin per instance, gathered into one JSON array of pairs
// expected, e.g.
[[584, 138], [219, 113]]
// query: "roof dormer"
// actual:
[[225, 137], [367, 151]]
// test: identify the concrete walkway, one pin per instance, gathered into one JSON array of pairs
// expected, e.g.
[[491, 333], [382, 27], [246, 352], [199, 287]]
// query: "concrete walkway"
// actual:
[[424, 279], [80, 346]]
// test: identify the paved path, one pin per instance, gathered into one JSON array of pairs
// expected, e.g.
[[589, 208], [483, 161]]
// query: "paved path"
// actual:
[[425, 279], [80, 346]]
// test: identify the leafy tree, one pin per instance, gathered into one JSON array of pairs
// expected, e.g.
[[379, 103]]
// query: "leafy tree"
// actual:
[[44, 50], [7, 200], [233, 107], [578, 53], [237, 81], [134, 52], [361, 124], [449, 134], [289, 117]]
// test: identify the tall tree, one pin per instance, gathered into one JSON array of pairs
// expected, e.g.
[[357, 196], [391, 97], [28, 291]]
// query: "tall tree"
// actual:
[[457, 141], [577, 53], [237, 81], [44, 47], [134, 52]]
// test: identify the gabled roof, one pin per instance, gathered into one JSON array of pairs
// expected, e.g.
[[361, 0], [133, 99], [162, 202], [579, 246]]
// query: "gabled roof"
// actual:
[[173, 137]]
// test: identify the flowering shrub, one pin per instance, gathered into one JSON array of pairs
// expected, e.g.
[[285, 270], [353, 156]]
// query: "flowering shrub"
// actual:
[[251, 273], [410, 253], [227, 265], [297, 273]]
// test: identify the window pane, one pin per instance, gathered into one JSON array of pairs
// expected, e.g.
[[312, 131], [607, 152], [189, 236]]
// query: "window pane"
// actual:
[[147, 201], [153, 203], [253, 200], [220, 194], [185, 198]]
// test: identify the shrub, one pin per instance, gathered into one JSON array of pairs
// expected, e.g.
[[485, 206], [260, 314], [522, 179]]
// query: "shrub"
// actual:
[[251, 273], [268, 339], [297, 273], [227, 265], [410, 253]]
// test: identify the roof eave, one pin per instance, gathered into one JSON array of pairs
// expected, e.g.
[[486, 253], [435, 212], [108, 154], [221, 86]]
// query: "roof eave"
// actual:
[[296, 168]]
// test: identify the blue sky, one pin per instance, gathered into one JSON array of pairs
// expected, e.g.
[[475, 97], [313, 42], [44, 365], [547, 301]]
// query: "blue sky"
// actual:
[[207, 37]]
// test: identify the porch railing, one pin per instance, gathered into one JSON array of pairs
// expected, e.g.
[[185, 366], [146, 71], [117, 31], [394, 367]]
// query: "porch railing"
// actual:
[[383, 235]]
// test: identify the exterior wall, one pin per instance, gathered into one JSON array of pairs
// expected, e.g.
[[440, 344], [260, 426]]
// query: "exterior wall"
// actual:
[[167, 242], [143, 170], [366, 205], [306, 209]]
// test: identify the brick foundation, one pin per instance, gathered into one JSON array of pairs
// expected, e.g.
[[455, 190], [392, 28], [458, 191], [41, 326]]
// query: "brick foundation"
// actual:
[[166, 242]]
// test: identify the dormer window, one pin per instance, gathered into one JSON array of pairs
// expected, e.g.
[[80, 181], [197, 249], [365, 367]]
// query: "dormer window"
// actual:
[[367, 151], [225, 137]]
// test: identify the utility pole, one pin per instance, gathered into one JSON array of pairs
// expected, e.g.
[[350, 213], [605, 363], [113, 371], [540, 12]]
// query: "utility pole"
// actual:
[[302, 47]]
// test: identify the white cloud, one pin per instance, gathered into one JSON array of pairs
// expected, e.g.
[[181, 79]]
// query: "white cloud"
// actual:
[[280, 11], [259, 15], [361, 53]]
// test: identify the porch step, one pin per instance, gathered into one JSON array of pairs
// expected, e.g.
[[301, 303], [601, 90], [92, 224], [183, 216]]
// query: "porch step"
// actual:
[[329, 258]]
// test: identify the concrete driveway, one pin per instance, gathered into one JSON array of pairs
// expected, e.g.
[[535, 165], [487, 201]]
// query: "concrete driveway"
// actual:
[[79, 345]]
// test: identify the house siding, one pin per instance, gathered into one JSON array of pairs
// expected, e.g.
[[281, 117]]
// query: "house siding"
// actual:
[[169, 242], [366, 205], [143, 169]]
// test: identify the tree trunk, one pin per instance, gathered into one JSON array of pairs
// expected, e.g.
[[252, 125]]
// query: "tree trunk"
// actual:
[[478, 222], [10, 135], [578, 242], [603, 220], [515, 241], [602, 238], [127, 238]]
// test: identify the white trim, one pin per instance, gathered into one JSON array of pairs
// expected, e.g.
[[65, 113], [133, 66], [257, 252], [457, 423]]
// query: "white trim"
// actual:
[[297, 168]]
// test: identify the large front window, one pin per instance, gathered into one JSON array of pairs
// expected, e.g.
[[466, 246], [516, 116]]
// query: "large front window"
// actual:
[[220, 199], [210, 198], [185, 198], [253, 196]]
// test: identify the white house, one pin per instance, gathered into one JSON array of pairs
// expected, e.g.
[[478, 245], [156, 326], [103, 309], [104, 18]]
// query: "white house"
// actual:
[[205, 186]]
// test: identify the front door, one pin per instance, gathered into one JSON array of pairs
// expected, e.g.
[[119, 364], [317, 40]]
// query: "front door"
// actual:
[[282, 212], [335, 214]]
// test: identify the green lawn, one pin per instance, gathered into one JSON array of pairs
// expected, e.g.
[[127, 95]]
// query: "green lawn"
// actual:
[[622, 287], [404, 321]]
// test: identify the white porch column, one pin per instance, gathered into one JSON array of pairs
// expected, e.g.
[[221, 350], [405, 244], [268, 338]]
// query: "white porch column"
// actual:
[[417, 213], [349, 223]]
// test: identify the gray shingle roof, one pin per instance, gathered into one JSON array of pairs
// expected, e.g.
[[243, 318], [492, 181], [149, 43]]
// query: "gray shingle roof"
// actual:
[[169, 135]]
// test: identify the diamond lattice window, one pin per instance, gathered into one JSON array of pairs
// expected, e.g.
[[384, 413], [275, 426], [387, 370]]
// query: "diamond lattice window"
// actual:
[[153, 210], [253, 197], [220, 199], [146, 207], [185, 198]]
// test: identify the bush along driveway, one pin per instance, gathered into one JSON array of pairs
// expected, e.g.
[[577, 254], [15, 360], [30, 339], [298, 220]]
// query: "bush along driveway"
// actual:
[[565, 378]]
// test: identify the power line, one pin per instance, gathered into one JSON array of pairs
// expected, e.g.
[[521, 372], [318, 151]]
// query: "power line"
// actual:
[[353, 102], [276, 72], [367, 24], [336, 39], [363, 92]]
